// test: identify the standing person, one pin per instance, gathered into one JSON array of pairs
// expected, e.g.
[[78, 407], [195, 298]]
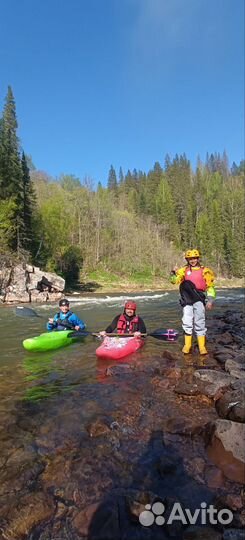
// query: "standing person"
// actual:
[[127, 322], [196, 292], [65, 319]]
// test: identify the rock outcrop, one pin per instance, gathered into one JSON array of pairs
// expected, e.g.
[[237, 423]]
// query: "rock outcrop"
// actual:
[[23, 283]]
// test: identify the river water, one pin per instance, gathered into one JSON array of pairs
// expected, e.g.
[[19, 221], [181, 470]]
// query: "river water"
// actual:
[[32, 376], [48, 398]]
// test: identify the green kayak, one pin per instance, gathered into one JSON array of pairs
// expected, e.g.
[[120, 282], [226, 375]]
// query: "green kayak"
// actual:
[[50, 341]]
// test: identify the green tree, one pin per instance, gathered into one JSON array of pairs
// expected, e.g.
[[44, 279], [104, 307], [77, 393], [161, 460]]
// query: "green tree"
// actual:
[[26, 200], [112, 179], [10, 158]]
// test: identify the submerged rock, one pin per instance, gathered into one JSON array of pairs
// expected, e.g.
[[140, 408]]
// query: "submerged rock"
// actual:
[[227, 449], [231, 405]]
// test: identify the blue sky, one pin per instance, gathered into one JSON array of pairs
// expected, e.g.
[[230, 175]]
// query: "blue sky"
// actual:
[[123, 82]]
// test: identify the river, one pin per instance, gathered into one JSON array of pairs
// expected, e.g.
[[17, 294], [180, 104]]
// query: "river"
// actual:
[[47, 398]]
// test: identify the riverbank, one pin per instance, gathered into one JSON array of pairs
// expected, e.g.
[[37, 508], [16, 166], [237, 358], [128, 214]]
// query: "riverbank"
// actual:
[[107, 283]]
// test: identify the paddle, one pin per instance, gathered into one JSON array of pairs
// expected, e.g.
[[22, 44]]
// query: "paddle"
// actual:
[[161, 333], [26, 312]]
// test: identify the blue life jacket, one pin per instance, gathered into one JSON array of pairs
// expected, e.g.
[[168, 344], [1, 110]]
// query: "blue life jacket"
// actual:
[[63, 324]]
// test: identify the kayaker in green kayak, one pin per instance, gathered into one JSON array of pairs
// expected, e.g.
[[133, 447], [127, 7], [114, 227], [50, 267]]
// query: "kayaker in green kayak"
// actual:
[[126, 323], [65, 319]]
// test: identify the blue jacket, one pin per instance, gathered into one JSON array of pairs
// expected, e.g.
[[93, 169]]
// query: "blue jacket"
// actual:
[[70, 317]]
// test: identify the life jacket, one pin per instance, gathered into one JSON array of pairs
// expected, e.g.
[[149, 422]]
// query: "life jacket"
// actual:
[[126, 326], [63, 324], [189, 294], [196, 276]]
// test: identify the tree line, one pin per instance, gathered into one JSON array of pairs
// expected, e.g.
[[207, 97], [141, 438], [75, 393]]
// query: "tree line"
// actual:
[[141, 222]]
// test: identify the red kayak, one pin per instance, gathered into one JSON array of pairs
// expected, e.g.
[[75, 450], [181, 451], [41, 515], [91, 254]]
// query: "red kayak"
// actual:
[[115, 348]]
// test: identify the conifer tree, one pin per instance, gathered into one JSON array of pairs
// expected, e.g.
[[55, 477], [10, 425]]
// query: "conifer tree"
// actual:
[[26, 207], [112, 179], [10, 157], [121, 176]]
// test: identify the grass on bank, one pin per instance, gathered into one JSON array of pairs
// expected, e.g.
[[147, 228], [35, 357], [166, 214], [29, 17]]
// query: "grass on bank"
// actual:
[[142, 281]]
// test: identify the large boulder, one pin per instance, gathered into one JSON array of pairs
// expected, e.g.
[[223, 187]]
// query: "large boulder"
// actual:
[[26, 283], [58, 283], [5, 275]]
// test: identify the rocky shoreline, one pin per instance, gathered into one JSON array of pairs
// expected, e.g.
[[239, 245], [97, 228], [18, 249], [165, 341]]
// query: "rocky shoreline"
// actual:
[[170, 430], [24, 283]]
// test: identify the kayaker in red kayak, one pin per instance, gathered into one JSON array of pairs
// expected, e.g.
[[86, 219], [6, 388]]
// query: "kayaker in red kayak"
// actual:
[[127, 322], [65, 319]]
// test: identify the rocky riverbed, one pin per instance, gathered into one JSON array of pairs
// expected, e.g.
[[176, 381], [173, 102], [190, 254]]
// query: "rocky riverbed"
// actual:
[[168, 431]]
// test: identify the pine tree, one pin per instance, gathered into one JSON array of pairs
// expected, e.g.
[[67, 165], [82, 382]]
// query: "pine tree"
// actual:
[[112, 179], [26, 205], [10, 157], [121, 176]]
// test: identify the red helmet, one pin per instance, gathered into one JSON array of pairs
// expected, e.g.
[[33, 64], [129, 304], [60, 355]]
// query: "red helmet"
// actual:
[[130, 305]]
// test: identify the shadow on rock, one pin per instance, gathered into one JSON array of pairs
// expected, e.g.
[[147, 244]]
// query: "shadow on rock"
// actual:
[[142, 510]]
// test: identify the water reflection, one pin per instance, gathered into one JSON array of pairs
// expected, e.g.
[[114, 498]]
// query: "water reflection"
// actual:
[[46, 378]]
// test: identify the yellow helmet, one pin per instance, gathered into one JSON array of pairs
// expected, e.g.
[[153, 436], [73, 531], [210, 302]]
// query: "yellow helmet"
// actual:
[[192, 254]]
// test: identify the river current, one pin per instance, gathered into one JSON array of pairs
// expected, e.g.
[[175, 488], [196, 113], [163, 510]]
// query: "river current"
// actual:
[[33, 376]]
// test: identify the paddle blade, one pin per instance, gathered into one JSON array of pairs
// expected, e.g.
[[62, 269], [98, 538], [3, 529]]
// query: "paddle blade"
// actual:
[[79, 334], [165, 334], [21, 311]]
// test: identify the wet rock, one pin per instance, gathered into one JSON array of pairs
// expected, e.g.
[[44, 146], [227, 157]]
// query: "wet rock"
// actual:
[[196, 387], [214, 477], [170, 356], [32, 509], [167, 465], [232, 405], [104, 521], [223, 354], [238, 384], [227, 449], [234, 534], [101, 426], [174, 373], [195, 468], [136, 500], [234, 502], [21, 469], [225, 338], [83, 519], [161, 383], [214, 381], [235, 369], [117, 370], [186, 388], [239, 358], [201, 533], [183, 426]]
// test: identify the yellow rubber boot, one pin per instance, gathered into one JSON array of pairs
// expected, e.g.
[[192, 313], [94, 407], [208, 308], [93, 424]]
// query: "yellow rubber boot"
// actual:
[[188, 343], [201, 344]]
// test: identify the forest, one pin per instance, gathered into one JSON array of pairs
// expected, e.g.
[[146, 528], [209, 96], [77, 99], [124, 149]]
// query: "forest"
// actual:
[[140, 223]]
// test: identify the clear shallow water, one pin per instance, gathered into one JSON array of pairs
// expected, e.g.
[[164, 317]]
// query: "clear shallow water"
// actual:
[[49, 400], [32, 376]]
